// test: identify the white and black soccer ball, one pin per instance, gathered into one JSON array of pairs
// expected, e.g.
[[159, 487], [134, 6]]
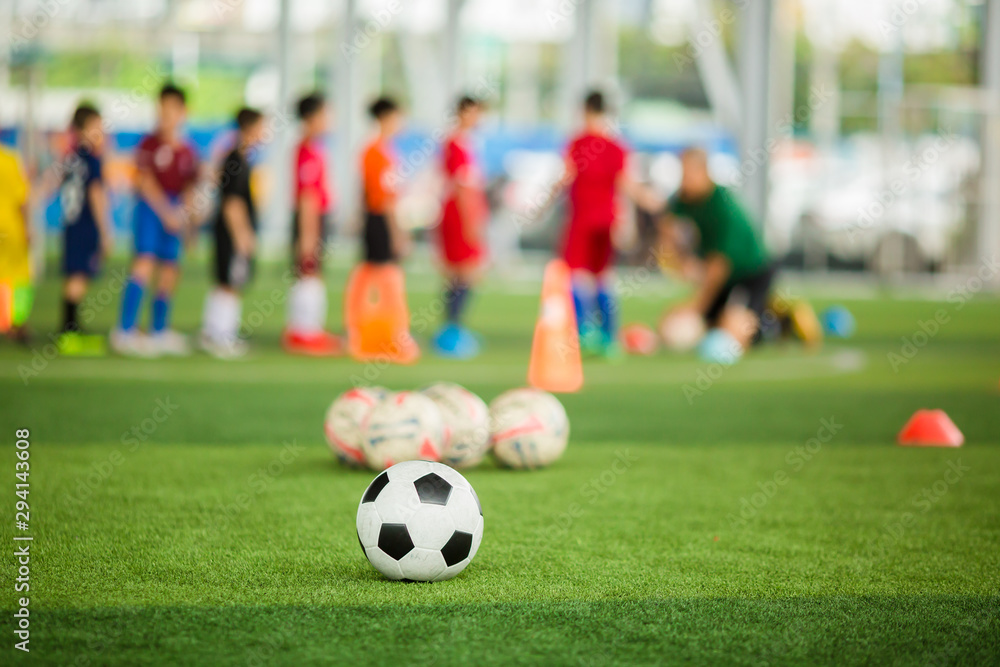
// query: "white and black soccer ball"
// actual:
[[529, 428], [420, 521], [681, 330], [466, 424], [404, 426], [343, 421]]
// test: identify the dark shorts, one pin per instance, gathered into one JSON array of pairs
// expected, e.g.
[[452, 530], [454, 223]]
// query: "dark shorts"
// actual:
[[751, 291], [309, 265], [377, 239], [231, 270], [81, 250]]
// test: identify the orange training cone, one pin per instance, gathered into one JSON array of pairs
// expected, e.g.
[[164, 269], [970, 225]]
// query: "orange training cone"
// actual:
[[6, 307], [376, 316], [930, 428], [555, 351]]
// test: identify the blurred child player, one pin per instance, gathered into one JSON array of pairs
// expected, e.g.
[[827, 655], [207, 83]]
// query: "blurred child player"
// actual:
[[87, 237], [383, 240], [235, 235], [733, 273], [463, 219], [307, 303], [15, 263], [167, 171], [596, 176]]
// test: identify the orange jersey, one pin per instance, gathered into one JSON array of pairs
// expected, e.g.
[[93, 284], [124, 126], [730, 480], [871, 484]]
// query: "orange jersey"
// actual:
[[378, 171]]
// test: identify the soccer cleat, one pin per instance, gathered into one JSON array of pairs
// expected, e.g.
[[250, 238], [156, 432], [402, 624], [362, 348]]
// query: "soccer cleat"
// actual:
[[75, 344], [719, 347], [235, 348], [805, 324], [170, 343], [453, 341], [318, 344], [591, 341], [132, 344], [612, 351]]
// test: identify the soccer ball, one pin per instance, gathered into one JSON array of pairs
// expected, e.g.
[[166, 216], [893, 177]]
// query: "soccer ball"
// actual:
[[529, 427], [639, 339], [420, 521], [466, 422], [343, 422], [682, 330], [404, 426]]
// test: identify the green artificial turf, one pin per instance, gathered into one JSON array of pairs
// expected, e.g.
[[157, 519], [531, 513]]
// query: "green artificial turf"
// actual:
[[189, 512]]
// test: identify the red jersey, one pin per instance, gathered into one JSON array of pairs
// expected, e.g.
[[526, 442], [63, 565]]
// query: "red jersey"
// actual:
[[174, 166], [311, 175], [460, 169], [598, 160]]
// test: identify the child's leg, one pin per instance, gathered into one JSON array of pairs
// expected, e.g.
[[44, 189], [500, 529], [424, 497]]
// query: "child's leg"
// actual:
[[165, 285], [74, 289], [458, 287], [583, 300], [607, 305], [139, 277]]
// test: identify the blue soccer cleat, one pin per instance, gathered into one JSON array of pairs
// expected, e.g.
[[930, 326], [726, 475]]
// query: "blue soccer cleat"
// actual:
[[455, 342]]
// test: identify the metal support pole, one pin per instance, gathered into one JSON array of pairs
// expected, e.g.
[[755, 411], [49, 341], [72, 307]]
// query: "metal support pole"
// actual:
[[278, 220], [348, 111], [755, 84], [989, 217], [452, 52]]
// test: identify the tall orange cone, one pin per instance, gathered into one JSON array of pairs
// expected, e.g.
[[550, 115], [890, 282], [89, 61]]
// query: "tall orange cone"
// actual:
[[555, 351], [6, 307], [377, 317], [930, 428]]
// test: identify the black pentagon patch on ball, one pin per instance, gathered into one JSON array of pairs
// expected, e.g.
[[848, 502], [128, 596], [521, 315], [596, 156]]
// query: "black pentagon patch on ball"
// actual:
[[433, 489], [395, 540], [458, 548], [375, 488]]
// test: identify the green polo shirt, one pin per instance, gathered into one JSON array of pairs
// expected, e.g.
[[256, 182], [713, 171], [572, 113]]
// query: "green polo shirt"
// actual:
[[725, 228]]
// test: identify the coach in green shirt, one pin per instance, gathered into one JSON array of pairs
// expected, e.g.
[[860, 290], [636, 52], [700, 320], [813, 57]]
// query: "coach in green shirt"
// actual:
[[735, 272]]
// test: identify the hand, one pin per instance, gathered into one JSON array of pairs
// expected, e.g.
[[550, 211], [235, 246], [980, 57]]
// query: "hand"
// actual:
[[173, 221], [245, 243], [401, 244], [107, 246]]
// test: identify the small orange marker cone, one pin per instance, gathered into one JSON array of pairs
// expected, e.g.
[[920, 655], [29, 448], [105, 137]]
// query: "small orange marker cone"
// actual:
[[6, 307], [555, 351], [377, 317], [930, 428]]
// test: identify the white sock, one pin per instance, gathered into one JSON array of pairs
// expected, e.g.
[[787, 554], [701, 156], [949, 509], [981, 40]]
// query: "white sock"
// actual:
[[230, 315], [307, 306], [210, 315]]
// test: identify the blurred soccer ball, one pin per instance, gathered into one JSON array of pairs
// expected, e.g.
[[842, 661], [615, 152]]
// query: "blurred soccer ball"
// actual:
[[639, 339], [404, 426], [681, 330], [343, 422], [529, 428], [420, 521], [466, 424]]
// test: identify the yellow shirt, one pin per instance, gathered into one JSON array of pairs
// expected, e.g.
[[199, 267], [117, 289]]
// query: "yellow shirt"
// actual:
[[14, 263]]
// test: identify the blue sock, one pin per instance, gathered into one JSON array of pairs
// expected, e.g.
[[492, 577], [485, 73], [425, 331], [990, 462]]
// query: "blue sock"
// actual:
[[131, 301], [583, 305], [456, 296], [161, 308], [606, 304]]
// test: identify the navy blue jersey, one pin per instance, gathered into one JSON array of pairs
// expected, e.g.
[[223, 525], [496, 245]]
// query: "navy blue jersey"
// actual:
[[82, 170]]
